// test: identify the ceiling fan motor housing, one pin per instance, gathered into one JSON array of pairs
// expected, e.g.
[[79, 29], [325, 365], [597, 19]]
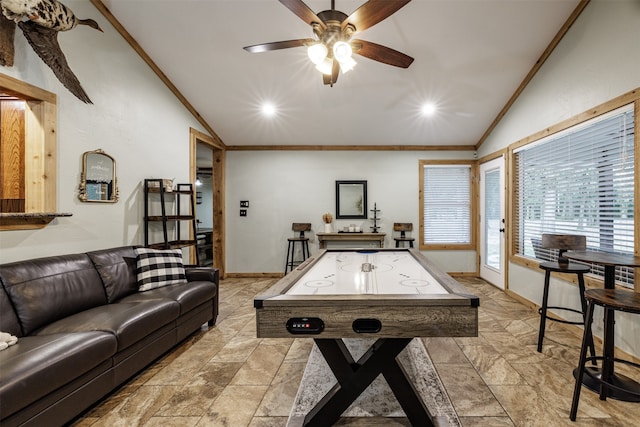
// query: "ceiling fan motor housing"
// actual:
[[333, 20]]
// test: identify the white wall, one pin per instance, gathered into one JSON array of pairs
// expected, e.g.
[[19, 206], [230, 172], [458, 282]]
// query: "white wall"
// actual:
[[299, 186], [134, 118], [598, 60]]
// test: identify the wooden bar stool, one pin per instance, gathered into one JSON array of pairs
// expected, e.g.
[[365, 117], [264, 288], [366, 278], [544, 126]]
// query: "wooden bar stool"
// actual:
[[403, 227], [291, 262], [612, 385], [562, 242]]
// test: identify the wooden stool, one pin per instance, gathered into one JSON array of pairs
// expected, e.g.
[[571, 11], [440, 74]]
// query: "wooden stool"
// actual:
[[403, 227], [291, 262], [610, 384], [571, 268]]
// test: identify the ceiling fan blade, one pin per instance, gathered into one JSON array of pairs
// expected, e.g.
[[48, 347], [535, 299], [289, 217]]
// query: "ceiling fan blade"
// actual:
[[265, 47], [381, 53], [303, 12], [372, 12]]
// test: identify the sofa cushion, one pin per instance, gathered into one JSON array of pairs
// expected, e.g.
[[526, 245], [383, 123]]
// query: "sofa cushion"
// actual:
[[128, 321], [117, 269], [38, 365], [8, 319], [44, 290], [159, 267], [189, 295]]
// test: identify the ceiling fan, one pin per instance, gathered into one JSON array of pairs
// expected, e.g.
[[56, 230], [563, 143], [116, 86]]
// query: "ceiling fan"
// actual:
[[332, 48]]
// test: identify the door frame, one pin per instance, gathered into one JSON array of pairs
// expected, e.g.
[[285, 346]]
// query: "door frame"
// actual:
[[218, 175], [498, 279]]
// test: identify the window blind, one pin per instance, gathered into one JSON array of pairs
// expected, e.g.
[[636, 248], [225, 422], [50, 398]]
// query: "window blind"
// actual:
[[579, 182], [447, 204]]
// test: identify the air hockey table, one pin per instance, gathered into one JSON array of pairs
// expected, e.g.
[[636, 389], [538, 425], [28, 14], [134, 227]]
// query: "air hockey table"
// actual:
[[393, 295]]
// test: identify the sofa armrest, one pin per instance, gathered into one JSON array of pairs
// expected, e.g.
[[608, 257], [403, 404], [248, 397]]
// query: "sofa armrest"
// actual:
[[206, 274]]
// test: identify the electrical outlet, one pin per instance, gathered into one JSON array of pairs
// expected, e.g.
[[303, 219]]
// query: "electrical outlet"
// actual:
[[243, 212], [244, 203]]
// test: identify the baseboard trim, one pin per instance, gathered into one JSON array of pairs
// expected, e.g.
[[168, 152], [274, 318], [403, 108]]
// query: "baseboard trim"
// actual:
[[253, 275]]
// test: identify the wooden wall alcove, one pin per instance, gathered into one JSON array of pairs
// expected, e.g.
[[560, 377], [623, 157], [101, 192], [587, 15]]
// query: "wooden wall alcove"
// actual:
[[28, 167]]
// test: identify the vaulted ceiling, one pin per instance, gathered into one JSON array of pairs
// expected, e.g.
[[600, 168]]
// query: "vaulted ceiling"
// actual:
[[471, 56]]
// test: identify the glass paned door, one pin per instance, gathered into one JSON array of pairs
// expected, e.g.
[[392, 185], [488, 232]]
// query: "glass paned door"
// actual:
[[492, 224]]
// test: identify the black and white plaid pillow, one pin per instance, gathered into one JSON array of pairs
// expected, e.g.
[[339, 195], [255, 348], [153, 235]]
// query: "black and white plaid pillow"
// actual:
[[159, 267]]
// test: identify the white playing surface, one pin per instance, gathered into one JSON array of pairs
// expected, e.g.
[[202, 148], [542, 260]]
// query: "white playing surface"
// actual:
[[351, 272]]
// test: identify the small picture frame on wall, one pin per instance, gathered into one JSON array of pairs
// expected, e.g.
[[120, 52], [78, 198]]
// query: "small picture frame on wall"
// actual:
[[351, 199]]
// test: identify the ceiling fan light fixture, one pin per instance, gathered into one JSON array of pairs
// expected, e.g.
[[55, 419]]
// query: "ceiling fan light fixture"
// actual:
[[347, 64], [317, 53], [325, 67], [342, 51]]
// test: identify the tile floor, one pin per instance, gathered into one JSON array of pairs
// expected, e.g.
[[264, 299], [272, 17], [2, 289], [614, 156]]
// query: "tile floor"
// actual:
[[225, 376]]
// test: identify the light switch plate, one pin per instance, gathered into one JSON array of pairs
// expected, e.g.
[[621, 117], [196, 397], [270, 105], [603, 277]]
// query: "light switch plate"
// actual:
[[243, 212], [244, 203]]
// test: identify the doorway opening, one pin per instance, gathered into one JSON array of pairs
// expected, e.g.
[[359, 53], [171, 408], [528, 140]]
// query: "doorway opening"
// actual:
[[207, 172], [492, 222]]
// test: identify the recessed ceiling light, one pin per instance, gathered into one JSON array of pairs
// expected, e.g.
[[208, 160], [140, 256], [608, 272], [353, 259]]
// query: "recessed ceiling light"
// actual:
[[268, 109], [428, 109]]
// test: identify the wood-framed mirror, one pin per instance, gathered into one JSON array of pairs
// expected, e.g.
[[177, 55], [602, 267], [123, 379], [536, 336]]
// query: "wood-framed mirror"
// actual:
[[351, 199], [98, 182]]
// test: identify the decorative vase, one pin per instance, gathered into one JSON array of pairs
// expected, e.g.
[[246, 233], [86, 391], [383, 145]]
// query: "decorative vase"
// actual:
[[328, 228]]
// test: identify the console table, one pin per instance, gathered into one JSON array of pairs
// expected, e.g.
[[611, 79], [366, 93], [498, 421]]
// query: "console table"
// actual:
[[323, 238]]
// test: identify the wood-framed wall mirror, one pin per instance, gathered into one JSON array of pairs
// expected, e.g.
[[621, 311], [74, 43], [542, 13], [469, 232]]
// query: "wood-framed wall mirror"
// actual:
[[98, 182], [351, 199]]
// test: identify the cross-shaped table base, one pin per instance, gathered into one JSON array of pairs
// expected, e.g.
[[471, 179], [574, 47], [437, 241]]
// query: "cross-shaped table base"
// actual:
[[354, 377]]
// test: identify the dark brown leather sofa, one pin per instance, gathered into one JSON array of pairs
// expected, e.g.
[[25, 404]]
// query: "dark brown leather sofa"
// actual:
[[83, 329]]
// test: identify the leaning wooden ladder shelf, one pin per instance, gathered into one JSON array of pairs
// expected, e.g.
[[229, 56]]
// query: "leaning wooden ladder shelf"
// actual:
[[173, 221]]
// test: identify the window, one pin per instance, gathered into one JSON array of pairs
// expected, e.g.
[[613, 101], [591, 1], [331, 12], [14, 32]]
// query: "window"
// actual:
[[447, 194], [579, 181], [36, 204]]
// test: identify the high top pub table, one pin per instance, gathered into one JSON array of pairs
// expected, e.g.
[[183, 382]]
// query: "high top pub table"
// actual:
[[391, 295], [610, 262]]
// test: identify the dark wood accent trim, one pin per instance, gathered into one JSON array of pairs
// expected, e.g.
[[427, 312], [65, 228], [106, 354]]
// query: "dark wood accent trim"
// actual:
[[350, 148], [28, 221]]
